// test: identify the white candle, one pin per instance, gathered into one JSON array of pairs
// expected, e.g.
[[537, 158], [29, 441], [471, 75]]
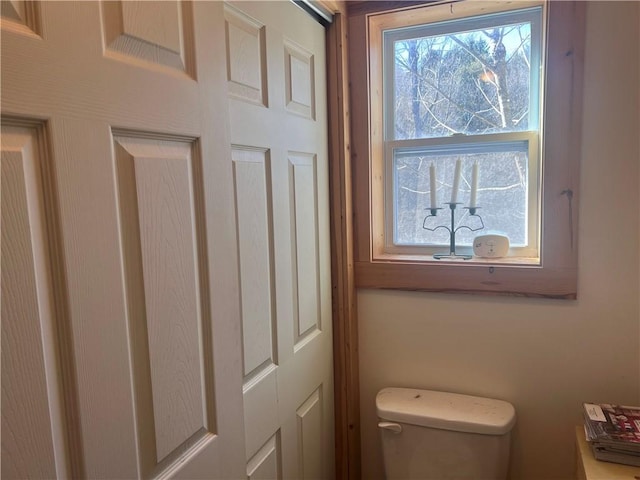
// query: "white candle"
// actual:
[[474, 186], [456, 182], [432, 179]]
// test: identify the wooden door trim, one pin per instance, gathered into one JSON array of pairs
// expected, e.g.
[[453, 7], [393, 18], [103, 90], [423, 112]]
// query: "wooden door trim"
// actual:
[[345, 325]]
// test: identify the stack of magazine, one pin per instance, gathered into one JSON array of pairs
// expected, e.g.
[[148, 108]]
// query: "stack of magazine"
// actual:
[[613, 432]]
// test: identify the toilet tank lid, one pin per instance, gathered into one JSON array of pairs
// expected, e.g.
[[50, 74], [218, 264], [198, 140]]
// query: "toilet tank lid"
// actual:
[[446, 411]]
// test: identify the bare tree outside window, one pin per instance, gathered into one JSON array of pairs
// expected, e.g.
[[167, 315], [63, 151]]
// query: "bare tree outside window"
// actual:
[[472, 83]]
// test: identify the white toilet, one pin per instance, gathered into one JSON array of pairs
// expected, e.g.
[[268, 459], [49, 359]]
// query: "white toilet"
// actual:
[[437, 435]]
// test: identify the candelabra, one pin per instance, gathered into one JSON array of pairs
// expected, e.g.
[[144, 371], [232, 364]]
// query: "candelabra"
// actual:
[[453, 229]]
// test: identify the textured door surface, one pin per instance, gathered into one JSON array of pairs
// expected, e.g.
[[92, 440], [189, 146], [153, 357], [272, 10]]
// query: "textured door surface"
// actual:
[[276, 85], [121, 342]]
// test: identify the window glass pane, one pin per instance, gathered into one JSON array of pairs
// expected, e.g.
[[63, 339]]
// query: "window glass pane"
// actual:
[[501, 195], [472, 82]]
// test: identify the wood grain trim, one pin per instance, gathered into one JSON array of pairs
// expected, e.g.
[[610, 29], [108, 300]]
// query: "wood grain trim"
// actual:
[[557, 276], [365, 7], [360, 158], [345, 325], [465, 278], [562, 133]]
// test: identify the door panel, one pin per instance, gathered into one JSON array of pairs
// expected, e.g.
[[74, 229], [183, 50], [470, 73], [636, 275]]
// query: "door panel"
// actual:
[[281, 189], [309, 419], [140, 239], [245, 39], [254, 214], [303, 201], [299, 80], [31, 412], [266, 463], [160, 193], [160, 33]]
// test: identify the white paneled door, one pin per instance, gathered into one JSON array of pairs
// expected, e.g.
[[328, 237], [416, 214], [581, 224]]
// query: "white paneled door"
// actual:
[[165, 283], [277, 94]]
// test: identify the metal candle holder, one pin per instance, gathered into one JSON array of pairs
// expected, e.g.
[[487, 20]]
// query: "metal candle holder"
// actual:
[[452, 231]]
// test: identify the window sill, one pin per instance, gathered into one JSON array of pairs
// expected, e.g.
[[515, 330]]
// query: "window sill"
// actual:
[[480, 276], [429, 260]]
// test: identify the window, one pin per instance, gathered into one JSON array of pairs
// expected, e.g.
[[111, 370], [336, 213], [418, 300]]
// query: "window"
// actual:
[[494, 83], [467, 90]]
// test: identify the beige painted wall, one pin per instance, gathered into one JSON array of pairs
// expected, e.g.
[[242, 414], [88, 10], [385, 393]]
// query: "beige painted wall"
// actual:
[[544, 356]]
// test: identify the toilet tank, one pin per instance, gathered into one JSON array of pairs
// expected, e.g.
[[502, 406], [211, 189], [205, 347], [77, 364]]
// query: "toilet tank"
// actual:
[[437, 435]]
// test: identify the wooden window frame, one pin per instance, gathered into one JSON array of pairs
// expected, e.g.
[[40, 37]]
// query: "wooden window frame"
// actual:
[[384, 142], [556, 274]]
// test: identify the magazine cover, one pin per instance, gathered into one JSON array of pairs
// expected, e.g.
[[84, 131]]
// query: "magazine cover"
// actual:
[[612, 423]]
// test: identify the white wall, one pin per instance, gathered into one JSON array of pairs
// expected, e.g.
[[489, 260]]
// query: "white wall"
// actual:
[[544, 356]]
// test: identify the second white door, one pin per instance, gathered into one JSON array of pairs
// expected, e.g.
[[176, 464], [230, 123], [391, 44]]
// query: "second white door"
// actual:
[[276, 75]]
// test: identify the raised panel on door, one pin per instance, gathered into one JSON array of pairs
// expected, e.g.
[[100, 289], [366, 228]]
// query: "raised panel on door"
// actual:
[[266, 463], [33, 440], [160, 197], [303, 201], [310, 436], [246, 67], [159, 33], [299, 80], [254, 213]]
